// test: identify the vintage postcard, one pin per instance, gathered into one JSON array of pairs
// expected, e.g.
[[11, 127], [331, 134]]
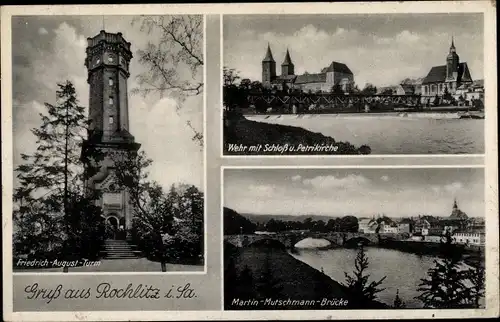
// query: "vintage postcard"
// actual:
[[147, 170]]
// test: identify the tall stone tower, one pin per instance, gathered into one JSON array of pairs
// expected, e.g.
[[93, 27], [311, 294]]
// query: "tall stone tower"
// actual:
[[452, 63], [107, 62], [268, 68], [287, 68]]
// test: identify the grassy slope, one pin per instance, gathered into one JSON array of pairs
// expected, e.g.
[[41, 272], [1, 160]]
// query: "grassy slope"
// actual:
[[248, 133], [298, 280]]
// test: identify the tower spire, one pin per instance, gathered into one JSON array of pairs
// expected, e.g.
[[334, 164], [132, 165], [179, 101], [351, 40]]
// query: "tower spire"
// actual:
[[288, 60], [269, 54], [455, 206]]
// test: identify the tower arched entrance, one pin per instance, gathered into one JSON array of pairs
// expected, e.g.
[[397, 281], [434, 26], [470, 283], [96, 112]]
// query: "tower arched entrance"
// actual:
[[112, 226]]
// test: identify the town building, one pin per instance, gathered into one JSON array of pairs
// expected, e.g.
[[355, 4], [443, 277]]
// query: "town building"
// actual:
[[404, 228], [107, 61], [332, 75], [421, 227], [469, 237], [388, 228], [450, 76], [433, 238], [367, 226]]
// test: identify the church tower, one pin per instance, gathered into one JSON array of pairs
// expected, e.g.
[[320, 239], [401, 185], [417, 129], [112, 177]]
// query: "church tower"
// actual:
[[452, 63], [107, 62], [268, 68], [287, 68]]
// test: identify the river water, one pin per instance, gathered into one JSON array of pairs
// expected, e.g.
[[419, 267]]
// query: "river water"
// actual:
[[394, 134], [403, 270]]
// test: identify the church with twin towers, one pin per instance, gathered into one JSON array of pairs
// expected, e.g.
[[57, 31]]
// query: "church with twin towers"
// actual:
[[335, 74]]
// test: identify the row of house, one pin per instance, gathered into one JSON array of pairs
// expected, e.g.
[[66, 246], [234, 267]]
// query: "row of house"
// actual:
[[464, 230]]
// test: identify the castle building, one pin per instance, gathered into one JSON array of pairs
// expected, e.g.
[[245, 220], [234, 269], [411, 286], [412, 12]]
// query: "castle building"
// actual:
[[334, 74], [450, 76], [107, 61]]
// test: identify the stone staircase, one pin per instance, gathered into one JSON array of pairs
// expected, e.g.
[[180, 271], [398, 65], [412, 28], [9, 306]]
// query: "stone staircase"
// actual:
[[119, 249]]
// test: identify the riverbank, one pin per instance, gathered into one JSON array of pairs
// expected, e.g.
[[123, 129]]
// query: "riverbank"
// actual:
[[280, 282], [471, 255], [250, 137], [438, 115]]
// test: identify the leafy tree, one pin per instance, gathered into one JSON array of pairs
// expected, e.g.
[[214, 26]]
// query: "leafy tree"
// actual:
[[51, 190], [446, 94], [180, 45], [154, 210], [235, 223], [348, 224], [337, 89], [387, 91], [369, 89], [256, 86], [398, 302], [187, 241], [174, 65], [231, 76], [358, 285], [445, 286]]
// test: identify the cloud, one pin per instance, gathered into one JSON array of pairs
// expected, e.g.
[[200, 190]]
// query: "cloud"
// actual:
[[166, 139], [296, 178], [384, 178], [42, 31], [331, 182], [261, 190], [156, 123], [380, 59], [453, 187], [407, 37]]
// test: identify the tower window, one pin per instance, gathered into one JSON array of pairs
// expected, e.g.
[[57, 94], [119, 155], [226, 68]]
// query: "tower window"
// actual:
[[110, 82], [110, 100], [111, 119]]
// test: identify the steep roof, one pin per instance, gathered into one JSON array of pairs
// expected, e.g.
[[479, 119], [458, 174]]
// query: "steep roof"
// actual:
[[284, 78], [437, 74], [288, 60], [269, 55], [337, 67], [311, 78]]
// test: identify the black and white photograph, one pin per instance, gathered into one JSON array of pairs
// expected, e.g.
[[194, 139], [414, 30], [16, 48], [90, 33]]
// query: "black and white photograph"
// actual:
[[353, 84], [108, 152], [362, 238]]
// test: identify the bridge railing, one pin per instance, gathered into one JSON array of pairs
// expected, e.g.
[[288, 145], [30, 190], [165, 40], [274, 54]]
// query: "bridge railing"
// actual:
[[324, 103]]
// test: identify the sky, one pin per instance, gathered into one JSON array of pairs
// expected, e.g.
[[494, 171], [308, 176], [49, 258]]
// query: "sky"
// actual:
[[47, 50], [358, 192], [381, 49]]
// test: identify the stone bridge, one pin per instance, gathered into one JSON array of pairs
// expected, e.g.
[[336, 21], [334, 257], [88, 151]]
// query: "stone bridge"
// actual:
[[290, 239]]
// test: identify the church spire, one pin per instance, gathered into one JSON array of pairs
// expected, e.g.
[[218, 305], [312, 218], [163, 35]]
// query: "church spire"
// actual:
[[288, 60], [452, 47], [269, 55], [455, 206]]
